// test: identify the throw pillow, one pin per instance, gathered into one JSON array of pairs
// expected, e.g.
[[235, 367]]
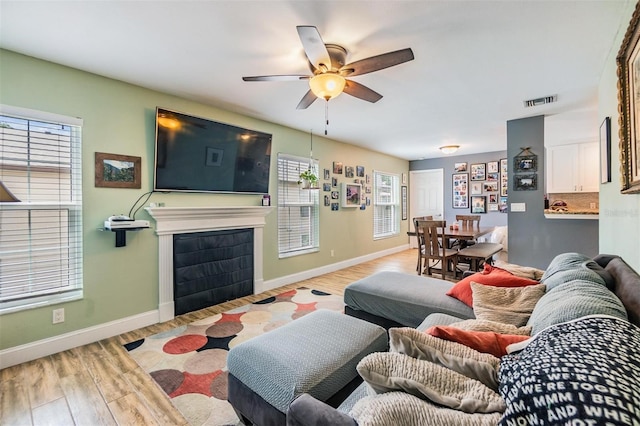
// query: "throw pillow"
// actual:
[[452, 355], [519, 270], [511, 305], [583, 372], [573, 300], [497, 327], [399, 408], [389, 371], [490, 276], [483, 341]]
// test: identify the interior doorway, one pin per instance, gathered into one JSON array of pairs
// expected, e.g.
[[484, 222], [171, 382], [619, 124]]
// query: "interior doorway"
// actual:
[[426, 196]]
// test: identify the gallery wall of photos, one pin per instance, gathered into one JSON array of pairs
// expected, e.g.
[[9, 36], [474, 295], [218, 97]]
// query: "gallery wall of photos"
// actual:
[[346, 186], [481, 187]]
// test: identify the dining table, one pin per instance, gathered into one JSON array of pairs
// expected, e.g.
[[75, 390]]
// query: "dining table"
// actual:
[[462, 233]]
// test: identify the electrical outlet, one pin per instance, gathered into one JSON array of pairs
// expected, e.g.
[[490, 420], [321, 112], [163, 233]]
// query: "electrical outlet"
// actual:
[[58, 316], [592, 205], [332, 253]]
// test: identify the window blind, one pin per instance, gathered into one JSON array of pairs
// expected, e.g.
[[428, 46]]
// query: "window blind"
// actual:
[[298, 209], [386, 220], [41, 235]]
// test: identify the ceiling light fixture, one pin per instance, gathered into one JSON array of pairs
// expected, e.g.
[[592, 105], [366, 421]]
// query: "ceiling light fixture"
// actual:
[[327, 85], [449, 149]]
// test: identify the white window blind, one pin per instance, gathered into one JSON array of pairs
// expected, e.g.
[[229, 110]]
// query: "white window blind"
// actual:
[[386, 205], [41, 234], [298, 209]]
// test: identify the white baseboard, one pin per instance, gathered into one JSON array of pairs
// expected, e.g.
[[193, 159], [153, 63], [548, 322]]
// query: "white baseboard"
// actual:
[[63, 342], [34, 350], [310, 273]]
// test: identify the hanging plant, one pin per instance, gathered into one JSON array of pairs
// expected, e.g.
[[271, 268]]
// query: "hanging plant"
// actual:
[[308, 179]]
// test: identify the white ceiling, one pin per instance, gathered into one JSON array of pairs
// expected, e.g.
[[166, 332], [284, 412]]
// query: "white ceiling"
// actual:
[[475, 61]]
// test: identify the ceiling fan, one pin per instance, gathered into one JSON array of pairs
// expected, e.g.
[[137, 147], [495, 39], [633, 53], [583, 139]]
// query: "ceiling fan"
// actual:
[[327, 63]]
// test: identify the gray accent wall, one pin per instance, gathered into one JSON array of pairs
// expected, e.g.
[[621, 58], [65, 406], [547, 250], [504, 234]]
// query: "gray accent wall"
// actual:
[[533, 239], [447, 164]]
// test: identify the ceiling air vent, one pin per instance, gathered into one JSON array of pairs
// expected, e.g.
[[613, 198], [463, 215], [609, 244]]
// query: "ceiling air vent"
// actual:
[[540, 101]]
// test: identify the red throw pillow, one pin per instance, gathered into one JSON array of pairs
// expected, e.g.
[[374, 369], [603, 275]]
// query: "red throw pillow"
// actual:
[[482, 341], [489, 276]]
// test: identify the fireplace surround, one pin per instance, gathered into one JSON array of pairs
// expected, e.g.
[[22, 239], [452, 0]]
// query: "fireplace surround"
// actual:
[[182, 220]]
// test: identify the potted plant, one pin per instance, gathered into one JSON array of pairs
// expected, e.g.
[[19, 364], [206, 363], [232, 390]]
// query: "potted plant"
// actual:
[[308, 179]]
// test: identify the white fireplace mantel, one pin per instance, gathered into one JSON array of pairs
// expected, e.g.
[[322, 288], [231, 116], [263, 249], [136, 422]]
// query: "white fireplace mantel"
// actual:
[[181, 220]]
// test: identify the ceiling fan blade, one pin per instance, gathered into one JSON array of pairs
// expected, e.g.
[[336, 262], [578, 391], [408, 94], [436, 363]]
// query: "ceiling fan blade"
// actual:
[[314, 47], [277, 78], [306, 100], [362, 92], [375, 63]]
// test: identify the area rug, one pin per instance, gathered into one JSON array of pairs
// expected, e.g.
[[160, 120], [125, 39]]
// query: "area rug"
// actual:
[[190, 362]]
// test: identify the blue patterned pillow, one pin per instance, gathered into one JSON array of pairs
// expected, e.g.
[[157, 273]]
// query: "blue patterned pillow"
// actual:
[[585, 372]]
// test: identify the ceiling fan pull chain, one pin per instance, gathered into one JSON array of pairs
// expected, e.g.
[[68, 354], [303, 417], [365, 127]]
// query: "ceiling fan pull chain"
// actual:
[[326, 116]]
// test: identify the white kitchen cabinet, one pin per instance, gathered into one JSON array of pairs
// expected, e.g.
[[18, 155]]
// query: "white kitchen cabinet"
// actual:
[[573, 168]]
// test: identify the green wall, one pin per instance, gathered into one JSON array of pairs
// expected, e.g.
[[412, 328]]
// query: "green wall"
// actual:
[[119, 118], [619, 214]]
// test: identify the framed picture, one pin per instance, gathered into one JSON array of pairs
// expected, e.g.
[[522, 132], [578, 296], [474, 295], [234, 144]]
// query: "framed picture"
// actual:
[[478, 171], [327, 174], [117, 171], [351, 195], [476, 188], [493, 207], [337, 168], [478, 204], [404, 202], [490, 186], [503, 206], [327, 202], [493, 198], [460, 167], [525, 162], [605, 150], [335, 195], [348, 172], [525, 182], [504, 177], [493, 176], [460, 190], [628, 61], [360, 171], [326, 187], [334, 182], [492, 167]]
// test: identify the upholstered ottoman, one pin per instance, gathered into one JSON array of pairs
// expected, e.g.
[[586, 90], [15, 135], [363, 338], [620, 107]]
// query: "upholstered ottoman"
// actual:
[[315, 354]]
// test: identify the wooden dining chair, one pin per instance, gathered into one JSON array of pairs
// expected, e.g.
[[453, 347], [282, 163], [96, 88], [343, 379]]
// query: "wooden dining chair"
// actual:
[[420, 238], [466, 221], [434, 252]]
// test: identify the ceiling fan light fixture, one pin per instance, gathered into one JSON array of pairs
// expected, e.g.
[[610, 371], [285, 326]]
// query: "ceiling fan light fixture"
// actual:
[[327, 85], [449, 149]]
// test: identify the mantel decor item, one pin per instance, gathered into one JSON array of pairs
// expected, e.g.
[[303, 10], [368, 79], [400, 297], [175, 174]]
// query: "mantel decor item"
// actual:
[[628, 62], [526, 161], [117, 171]]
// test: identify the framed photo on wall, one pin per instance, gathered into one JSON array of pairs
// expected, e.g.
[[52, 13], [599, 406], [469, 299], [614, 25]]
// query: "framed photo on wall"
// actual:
[[478, 204], [117, 171], [605, 150], [460, 191], [478, 171], [351, 195]]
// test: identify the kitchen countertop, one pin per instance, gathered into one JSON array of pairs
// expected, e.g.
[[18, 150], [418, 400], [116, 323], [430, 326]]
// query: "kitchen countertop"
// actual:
[[572, 214]]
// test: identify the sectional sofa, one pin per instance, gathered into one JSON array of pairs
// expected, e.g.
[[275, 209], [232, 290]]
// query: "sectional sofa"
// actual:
[[575, 357]]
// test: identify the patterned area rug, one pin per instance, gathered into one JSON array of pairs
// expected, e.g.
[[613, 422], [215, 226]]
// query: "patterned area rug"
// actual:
[[190, 362]]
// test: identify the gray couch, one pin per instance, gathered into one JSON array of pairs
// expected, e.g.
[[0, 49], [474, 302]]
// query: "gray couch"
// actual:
[[576, 287]]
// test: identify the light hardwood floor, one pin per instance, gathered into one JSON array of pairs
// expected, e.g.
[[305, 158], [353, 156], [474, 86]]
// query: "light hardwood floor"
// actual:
[[99, 384]]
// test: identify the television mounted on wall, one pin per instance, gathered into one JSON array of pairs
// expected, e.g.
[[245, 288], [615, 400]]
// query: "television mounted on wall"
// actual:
[[194, 154]]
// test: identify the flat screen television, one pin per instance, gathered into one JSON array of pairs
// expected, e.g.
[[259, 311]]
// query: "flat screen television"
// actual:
[[194, 154]]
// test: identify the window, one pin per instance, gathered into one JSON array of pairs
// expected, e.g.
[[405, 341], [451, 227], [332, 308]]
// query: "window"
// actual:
[[386, 205], [41, 234], [298, 209]]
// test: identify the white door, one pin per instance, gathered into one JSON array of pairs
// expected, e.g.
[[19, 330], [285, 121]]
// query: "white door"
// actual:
[[426, 197]]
